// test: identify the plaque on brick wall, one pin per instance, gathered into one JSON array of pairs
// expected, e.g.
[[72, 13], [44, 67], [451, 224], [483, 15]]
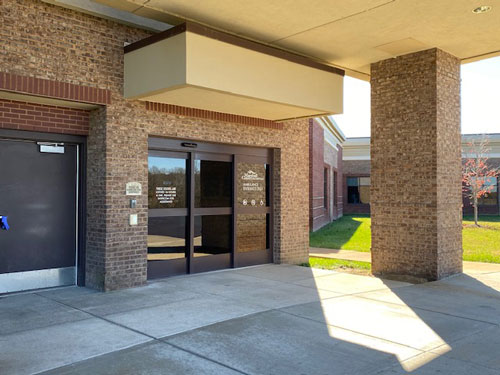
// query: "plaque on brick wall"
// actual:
[[133, 188]]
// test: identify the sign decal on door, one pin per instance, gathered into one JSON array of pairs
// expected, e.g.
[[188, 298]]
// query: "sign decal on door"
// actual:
[[251, 187], [166, 194]]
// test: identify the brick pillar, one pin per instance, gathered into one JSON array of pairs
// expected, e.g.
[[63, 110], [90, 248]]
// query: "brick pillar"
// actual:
[[117, 152], [95, 263], [416, 166]]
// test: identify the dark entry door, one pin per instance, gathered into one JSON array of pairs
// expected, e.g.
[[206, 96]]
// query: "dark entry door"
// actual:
[[168, 224], [190, 212], [38, 194], [210, 207], [212, 211]]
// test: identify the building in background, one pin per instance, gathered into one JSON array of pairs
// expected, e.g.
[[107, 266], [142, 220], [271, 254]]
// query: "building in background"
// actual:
[[490, 203], [325, 172], [356, 182]]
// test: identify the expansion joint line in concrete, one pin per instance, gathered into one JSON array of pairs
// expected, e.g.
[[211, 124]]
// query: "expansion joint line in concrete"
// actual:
[[152, 338]]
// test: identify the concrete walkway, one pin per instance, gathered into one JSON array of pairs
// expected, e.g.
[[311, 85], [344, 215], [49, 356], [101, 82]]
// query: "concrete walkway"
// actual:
[[340, 254], [469, 267], [261, 320]]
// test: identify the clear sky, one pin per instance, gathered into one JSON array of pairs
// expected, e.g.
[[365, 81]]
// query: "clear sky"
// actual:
[[480, 101]]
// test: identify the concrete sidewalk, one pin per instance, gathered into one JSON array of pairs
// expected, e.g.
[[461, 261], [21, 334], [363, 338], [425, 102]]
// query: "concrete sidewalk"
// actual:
[[271, 319], [469, 267], [340, 254]]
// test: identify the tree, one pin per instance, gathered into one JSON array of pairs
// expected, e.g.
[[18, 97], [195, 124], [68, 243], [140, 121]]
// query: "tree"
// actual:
[[477, 174]]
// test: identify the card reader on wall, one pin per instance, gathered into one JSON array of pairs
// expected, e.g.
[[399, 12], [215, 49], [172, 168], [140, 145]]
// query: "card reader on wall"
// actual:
[[3, 223]]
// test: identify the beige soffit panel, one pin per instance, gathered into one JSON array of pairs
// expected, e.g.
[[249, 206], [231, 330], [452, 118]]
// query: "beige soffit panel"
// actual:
[[265, 21], [403, 46], [446, 24], [351, 34], [199, 68], [218, 101]]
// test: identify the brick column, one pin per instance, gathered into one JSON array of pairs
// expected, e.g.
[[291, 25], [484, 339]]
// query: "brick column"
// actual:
[[95, 264], [117, 151], [416, 166]]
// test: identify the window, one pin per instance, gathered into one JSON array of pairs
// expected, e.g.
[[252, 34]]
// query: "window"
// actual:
[[213, 183], [491, 198], [166, 182], [334, 184], [325, 187], [358, 190]]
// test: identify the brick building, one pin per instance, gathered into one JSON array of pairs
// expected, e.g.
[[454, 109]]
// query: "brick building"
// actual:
[[163, 185], [325, 172], [356, 165], [142, 139]]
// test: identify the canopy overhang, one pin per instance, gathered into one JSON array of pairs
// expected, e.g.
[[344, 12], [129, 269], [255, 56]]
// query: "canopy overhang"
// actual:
[[194, 66]]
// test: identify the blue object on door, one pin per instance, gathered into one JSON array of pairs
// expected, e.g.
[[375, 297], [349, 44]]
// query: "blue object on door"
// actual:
[[3, 223]]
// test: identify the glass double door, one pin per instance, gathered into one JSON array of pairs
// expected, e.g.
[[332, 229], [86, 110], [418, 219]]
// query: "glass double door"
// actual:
[[207, 211]]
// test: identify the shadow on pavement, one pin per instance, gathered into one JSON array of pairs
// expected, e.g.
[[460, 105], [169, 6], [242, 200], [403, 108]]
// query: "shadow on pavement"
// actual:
[[260, 320]]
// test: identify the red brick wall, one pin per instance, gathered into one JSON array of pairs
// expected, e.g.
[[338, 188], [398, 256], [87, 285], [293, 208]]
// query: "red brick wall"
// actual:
[[43, 118], [218, 116], [318, 214], [333, 159], [322, 155], [356, 167], [53, 88]]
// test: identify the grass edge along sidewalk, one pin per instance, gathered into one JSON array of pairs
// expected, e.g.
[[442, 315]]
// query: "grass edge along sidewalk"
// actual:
[[351, 266], [352, 232]]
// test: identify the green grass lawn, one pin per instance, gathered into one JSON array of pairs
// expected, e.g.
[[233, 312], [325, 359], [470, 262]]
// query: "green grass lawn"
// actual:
[[352, 232], [482, 244], [352, 266]]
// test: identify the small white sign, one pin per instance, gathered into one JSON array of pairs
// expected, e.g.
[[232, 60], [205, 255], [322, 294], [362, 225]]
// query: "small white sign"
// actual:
[[133, 188], [166, 194], [133, 220], [52, 149]]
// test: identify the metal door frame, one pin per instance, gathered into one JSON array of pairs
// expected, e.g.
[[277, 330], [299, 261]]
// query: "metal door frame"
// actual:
[[81, 186], [179, 266], [217, 261], [255, 257], [223, 152]]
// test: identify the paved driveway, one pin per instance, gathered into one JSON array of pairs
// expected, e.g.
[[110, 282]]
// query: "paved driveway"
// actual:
[[261, 320]]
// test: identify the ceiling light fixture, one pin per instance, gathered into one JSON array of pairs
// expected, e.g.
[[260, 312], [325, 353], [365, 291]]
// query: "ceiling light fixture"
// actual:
[[481, 9]]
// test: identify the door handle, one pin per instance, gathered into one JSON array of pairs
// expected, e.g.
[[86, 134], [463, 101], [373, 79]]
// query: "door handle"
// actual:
[[3, 223]]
